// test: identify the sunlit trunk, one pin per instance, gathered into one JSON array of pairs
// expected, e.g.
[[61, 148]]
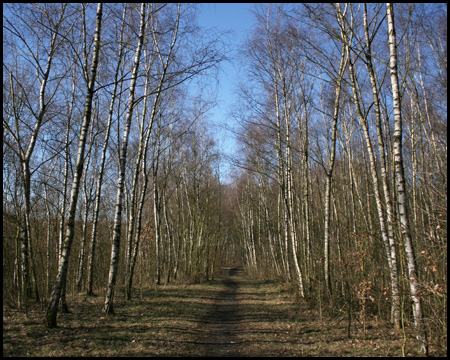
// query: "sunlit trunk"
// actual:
[[52, 309], [400, 184]]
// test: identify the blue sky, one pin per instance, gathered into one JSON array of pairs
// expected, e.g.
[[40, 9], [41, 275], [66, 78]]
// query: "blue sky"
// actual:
[[239, 20]]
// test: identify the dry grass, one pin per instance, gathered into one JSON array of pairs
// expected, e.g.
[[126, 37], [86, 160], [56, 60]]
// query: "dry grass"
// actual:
[[231, 316]]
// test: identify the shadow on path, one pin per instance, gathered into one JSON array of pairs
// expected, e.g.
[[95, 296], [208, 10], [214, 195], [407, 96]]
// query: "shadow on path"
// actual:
[[218, 330]]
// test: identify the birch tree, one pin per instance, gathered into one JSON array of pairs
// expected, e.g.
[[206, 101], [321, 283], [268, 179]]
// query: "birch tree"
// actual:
[[391, 254], [109, 308], [98, 190], [383, 200], [400, 183], [336, 76], [330, 167], [50, 319], [28, 41]]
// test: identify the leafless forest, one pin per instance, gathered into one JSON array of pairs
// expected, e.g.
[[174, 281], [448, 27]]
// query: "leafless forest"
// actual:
[[339, 189]]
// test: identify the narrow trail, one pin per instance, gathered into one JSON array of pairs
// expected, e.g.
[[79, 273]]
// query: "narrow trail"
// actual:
[[251, 318], [219, 329], [247, 317]]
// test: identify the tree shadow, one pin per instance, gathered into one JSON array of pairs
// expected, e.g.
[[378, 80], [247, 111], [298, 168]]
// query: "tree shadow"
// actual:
[[220, 328]]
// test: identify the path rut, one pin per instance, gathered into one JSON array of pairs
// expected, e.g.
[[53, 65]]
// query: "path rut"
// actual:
[[218, 331]]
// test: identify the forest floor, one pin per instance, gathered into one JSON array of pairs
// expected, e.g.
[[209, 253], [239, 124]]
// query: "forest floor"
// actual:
[[231, 316]]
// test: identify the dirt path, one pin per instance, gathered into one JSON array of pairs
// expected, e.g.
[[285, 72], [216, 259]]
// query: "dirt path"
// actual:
[[218, 332], [250, 318], [258, 318]]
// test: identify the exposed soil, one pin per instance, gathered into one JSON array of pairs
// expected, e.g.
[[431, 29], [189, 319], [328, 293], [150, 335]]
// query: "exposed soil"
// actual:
[[218, 332], [231, 316]]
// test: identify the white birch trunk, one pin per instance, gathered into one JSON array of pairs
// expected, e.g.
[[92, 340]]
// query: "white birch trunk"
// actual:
[[329, 171], [400, 184], [109, 309], [384, 177], [52, 309], [98, 190]]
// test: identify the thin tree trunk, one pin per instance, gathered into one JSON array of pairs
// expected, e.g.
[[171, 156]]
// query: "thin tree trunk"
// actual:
[[47, 209], [384, 177], [26, 182], [143, 154], [26, 175], [62, 223], [141, 160], [52, 309], [308, 258], [156, 212], [87, 201], [169, 236], [289, 197], [98, 190], [386, 231], [134, 190], [25, 289], [109, 308], [387, 240], [400, 183], [329, 171]]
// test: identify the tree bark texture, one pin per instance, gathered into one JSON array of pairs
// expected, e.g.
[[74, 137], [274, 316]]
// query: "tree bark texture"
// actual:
[[52, 309], [400, 184], [109, 308]]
